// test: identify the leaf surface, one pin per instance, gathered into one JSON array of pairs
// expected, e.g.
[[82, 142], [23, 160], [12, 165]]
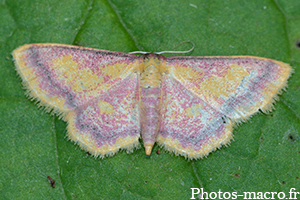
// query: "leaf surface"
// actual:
[[265, 153]]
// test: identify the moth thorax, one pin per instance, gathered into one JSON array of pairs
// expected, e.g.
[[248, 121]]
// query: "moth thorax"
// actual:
[[150, 77]]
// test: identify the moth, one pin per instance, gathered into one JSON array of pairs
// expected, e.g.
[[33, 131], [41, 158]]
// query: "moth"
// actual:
[[110, 99]]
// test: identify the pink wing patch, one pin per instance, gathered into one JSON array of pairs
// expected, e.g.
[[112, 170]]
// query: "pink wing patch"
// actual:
[[95, 91], [109, 122], [207, 95], [64, 77], [190, 127], [235, 86]]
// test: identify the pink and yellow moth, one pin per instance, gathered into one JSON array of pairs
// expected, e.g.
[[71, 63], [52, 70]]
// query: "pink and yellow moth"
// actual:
[[109, 99]]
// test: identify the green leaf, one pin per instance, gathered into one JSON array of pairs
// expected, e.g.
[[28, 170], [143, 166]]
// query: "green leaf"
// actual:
[[265, 153]]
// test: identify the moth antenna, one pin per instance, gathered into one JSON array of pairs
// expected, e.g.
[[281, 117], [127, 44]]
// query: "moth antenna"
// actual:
[[144, 52], [188, 51]]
